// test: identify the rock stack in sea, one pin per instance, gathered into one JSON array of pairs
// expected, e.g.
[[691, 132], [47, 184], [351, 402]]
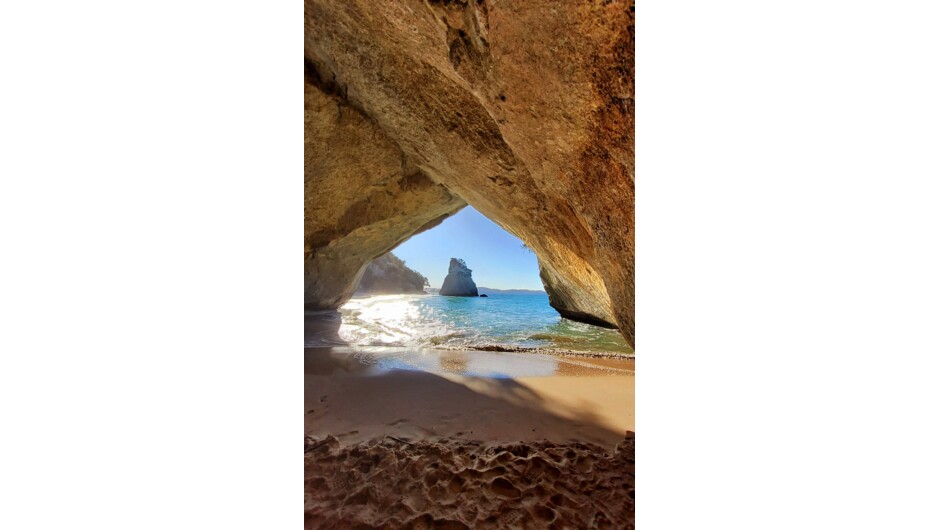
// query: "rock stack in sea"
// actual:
[[458, 281]]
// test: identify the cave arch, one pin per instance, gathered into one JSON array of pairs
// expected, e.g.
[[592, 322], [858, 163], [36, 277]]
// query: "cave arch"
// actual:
[[414, 109]]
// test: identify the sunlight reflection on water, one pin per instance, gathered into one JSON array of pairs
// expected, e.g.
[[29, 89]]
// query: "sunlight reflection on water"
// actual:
[[525, 321]]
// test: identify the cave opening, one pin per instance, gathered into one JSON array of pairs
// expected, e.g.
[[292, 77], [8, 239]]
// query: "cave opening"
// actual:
[[419, 117], [500, 304], [377, 176]]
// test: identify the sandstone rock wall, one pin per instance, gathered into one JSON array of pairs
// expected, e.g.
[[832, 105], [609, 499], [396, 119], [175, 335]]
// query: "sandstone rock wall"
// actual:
[[522, 109], [360, 197]]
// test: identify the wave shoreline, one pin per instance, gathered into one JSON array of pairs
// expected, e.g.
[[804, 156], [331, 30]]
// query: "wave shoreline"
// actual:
[[511, 348], [324, 342]]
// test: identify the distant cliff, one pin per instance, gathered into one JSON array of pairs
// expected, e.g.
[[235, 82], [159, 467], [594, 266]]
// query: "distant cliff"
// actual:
[[388, 274], [458, 281]]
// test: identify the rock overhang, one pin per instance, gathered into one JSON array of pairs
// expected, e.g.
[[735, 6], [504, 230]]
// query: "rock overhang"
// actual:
[[524, 110]]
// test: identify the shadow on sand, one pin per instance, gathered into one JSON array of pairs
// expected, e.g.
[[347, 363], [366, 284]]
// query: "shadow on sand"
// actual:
[[348, 399]]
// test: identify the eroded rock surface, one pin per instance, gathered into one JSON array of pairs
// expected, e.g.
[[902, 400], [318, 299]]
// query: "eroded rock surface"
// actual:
[[459, 280], [361, 198], [522, 109]]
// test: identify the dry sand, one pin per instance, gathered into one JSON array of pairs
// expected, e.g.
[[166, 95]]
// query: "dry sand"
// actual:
[[430, 446], [462, 484]]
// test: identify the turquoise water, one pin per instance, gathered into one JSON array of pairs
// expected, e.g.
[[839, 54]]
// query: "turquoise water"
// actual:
[[510, 321]]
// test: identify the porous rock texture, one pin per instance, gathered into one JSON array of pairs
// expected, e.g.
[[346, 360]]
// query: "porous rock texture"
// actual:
[[523, 109], [459, 280]]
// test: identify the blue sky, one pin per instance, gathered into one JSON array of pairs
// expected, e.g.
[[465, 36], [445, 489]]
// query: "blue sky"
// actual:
[[495, 256]]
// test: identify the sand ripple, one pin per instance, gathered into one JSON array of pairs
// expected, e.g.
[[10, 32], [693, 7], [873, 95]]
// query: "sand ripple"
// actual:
[[464, 484]]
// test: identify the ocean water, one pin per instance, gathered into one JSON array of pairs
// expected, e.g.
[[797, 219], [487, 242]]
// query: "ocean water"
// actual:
[[500, 322]]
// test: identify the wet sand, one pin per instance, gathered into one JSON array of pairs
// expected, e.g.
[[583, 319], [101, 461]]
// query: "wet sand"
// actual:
[[398, 437], [359, 395]]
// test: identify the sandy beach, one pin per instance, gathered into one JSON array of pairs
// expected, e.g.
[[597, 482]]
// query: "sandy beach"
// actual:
[[398, 437]]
